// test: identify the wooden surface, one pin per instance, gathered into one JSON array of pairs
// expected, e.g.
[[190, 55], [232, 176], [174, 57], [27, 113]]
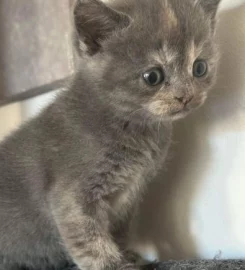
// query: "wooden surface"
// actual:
[[35, 47]]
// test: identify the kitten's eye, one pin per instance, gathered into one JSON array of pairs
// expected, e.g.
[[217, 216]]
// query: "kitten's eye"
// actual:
[[200, 68], [154, 76]]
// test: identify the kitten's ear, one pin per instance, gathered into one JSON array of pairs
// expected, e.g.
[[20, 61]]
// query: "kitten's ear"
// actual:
[[94, 22], [210, 6]]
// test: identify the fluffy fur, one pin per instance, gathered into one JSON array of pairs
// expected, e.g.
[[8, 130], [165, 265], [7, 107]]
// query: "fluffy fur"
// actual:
[[71, 177]]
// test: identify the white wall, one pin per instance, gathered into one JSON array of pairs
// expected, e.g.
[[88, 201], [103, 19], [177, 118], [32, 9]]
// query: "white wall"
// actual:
[[13, 115], [10, 119], [197, 207]]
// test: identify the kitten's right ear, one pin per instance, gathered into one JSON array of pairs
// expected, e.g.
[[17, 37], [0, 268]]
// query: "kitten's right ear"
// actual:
[[94, 22], [210, 6]]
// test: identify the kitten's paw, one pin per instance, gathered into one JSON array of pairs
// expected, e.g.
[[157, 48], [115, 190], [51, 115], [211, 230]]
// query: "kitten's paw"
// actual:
[[132, 257]]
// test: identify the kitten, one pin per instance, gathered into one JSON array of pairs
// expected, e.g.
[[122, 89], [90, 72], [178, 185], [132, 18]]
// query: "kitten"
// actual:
[[71, 177]]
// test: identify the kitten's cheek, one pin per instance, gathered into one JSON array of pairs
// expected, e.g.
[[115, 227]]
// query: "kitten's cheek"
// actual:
[[157, 108]]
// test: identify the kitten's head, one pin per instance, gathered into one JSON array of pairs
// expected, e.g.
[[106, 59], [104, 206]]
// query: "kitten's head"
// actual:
[[154, 57]]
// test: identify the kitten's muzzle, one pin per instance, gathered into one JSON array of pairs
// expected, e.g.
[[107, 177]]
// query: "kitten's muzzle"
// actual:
[[185, 99], [187, 103]]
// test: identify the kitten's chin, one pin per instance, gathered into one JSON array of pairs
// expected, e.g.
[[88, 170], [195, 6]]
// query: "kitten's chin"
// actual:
[[176, 115], [180, 115]]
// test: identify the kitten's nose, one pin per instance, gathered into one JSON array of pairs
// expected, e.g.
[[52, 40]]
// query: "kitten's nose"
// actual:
[[184, 99]]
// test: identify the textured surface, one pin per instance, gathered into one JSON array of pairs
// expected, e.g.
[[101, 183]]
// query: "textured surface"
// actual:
[[35, 44], [202, 265], [194, 265]]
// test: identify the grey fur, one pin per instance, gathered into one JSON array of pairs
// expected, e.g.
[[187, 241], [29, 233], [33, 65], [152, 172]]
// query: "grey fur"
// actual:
[[70, 178]]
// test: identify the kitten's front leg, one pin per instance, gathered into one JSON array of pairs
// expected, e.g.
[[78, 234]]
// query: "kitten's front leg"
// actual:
[[86, 234], [122, 234]]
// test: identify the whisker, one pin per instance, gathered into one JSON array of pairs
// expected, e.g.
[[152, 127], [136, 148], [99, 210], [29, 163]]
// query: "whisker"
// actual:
[[133, 113], [159, 124]]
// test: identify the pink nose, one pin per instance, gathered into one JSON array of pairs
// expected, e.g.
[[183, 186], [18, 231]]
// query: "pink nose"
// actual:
[[185, 99]]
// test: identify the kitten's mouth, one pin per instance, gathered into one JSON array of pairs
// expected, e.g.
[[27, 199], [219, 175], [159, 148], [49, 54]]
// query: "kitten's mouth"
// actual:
[[184, 110]]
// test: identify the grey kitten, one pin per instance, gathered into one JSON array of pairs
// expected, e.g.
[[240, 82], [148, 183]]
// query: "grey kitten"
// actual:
[[70, 178]]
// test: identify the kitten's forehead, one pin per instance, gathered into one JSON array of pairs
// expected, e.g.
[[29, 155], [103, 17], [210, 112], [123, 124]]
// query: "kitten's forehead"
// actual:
[[176, 22], [171, 22], [170, 31], [183, 19]]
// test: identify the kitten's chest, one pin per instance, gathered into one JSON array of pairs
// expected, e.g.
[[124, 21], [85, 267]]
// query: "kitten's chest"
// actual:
[[125, 199], [133, 189], [139, 168]]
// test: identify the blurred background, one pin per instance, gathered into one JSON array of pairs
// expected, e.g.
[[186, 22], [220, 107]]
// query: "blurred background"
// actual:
[[197, 206]]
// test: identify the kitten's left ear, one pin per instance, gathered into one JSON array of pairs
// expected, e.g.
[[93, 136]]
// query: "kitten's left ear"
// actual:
[[95, 22]]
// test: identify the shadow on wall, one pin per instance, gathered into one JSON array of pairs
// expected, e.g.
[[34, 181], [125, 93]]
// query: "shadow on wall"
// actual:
[[166, 220], [18, 45], [35, 44], [2, 81]]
